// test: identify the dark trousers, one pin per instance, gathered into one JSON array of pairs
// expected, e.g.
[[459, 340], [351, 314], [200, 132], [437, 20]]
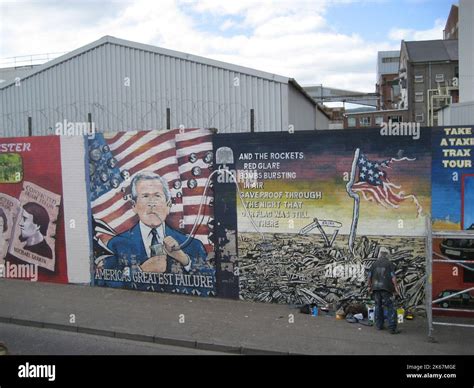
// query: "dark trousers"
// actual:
[[384, 298]]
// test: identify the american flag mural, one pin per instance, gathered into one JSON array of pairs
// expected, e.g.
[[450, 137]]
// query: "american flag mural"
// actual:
[[375, 186], [183, 157]]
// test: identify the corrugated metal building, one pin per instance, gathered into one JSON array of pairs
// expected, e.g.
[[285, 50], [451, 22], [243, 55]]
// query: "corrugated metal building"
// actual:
[[125, 85], [8, 74]]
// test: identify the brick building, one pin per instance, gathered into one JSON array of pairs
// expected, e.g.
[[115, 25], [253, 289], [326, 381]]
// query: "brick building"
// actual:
[[374, 118], [387, 87], [451, 31], [428, 68]]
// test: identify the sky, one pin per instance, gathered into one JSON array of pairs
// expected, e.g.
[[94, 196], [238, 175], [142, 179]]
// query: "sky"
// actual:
[[329, 42]]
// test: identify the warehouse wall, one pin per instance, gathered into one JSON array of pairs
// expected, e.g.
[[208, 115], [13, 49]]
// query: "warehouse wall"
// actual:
[[301, 111], [128, 88], [457, 114], [322, 121]]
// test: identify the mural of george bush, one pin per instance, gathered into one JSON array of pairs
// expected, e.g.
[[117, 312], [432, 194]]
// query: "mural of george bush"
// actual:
[[153, 243]]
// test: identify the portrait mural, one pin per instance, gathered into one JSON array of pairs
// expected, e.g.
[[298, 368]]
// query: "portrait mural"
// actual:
[[151, 208], [31, 214]]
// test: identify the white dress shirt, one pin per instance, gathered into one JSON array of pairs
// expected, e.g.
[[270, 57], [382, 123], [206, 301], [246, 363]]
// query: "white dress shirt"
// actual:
[[147, 236]]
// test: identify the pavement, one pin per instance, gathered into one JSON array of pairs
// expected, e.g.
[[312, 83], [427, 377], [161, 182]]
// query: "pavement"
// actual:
[[222, 325], [35, 341]]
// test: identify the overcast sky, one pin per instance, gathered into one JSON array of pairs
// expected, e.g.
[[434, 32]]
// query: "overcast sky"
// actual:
[[333, 42]]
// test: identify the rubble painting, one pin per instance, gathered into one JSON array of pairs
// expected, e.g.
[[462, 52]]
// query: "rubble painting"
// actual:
[[313, 211], [302, 270]]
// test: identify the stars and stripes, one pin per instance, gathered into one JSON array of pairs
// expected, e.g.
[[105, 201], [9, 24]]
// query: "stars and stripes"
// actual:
[[182, 157], [374, 185]]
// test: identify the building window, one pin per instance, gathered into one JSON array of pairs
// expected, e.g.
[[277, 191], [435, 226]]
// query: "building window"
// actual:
[[419, 97], [439, 78], [419, 79], [390, 60], [395, 119], [378, 120], [365, 121], [419, 117], [395, 90], [351, 122]]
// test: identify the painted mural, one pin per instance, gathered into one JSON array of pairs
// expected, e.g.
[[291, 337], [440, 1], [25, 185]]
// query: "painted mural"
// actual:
[[32, 244], [451, 277], [453, 211], [453, 178], [315, 210], [151, 204]]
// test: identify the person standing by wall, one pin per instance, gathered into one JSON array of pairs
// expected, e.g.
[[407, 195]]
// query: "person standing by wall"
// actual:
[[382, 284]]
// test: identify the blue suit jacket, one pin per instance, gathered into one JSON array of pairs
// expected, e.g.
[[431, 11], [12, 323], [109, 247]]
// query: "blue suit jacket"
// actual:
[[130, 243]]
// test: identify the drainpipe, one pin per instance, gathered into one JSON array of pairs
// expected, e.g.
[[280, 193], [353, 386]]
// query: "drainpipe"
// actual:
[[430, 87]]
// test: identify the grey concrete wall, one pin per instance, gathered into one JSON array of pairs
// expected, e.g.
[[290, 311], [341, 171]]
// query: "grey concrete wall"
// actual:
[[301, 112], [75, 205]]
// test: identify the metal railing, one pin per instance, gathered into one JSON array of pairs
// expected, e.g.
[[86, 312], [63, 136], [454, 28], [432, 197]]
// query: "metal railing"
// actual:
[[28, 60], [429, 278]]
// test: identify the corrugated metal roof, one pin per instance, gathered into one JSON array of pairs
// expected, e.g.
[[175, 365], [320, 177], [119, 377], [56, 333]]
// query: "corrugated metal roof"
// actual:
[[433, 50], [8, 74], [189, 90], [153, 49]]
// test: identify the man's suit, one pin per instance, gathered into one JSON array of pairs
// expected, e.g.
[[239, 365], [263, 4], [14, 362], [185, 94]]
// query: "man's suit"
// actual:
[[131, 243]]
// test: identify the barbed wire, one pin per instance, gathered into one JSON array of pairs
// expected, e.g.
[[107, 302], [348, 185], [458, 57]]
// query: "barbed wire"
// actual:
[[144, 114]]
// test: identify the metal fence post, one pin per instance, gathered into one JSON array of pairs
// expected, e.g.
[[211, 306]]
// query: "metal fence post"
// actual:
[[429, 286], [252, 120], [30, 126], [429, 278], [168, 118]]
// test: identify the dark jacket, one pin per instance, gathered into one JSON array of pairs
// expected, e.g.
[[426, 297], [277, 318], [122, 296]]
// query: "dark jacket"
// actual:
[[381, 274]]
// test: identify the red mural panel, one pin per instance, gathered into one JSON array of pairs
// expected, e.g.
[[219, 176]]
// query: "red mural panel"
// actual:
[[31, 181]]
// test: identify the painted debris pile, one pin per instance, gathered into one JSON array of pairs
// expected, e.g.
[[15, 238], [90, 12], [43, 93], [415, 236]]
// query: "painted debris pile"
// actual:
[[296, 269]]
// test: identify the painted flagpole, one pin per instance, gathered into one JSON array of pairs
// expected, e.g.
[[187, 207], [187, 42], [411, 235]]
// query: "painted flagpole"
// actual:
[[355, 196]]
